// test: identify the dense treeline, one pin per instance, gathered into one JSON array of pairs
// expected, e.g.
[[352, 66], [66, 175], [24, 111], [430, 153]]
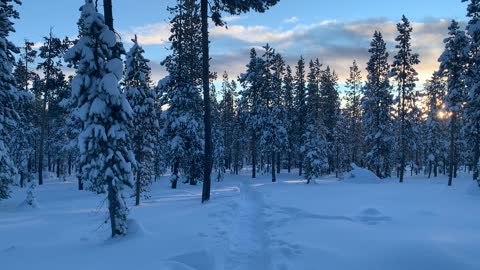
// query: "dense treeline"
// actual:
[[111, 126]]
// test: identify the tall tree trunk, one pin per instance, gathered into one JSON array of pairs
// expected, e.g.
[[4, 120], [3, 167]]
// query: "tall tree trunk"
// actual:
[[108, 13], [207, 166]]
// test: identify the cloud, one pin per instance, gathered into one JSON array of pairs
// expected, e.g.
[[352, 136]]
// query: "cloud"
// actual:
[[151, 34], [292, 20], [335, 43], [338, 43]]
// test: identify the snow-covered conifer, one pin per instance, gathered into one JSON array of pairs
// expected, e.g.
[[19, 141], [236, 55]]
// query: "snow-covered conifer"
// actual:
[[405, 75], [376, 104], [8, 95], [145, 126], [453, 63], [105, 157], [183, 125], [353, 113]]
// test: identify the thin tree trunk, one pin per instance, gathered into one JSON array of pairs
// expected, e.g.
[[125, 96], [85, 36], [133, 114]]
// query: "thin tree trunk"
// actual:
[[452, 149], [254, 157], [274, 177], [279, 163], [175, 173], [58, 168], [138, 188], [69, 164], [476, 156], [289, 166], [80, 182], [430, 169], [207, 110]]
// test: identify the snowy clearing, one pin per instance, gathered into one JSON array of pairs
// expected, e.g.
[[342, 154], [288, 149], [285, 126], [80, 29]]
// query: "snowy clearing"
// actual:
[[252, 224]]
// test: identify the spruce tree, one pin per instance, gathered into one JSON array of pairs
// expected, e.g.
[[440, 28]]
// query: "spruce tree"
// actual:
[[8, 95], [452, 66], [24, 135], [289, 107], [300, 111], [106, 160], [181, 93], [473, 88], [51, 53], [250, 105], [274, 136], [353, 113], [405, 75], [330, 107], [314, 144], [376, 103], [435, 123], [227, 111], [219, 160], [23, 74], [144, 128]]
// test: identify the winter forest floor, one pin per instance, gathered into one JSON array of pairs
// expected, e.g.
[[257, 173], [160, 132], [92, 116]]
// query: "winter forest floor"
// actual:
[[358, 223]]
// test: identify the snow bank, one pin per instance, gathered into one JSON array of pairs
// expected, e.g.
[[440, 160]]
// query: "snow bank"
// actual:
[[361, 176]]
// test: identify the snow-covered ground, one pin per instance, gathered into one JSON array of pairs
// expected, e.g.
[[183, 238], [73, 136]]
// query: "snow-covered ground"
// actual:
[[358, 223]]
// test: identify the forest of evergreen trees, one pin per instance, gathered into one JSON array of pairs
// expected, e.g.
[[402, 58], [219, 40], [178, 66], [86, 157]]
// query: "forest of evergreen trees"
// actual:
[[112, 126]]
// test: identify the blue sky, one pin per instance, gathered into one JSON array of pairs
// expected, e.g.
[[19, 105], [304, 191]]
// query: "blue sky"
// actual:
[[334, 31]]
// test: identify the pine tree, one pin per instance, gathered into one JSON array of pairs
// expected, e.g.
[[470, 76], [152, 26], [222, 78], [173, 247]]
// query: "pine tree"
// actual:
[[183, 118], [289, 106], [8, 95], [473, 88], [23, 74], [219, 157], [330, 107], [227, 111], [435, 123], [453, 64], [51, 53], [405, 75], [105, 114], [314, 145], [23, 136], [376, 104], [274, 136], [341, 144], [145, 124], [250, 103], [354, 112], [300, 111]]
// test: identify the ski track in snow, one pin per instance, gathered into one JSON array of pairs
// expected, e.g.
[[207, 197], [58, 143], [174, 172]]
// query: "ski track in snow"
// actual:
[[245, 233]]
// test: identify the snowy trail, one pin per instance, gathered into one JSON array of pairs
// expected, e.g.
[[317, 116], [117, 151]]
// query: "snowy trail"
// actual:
[[247, 241]]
